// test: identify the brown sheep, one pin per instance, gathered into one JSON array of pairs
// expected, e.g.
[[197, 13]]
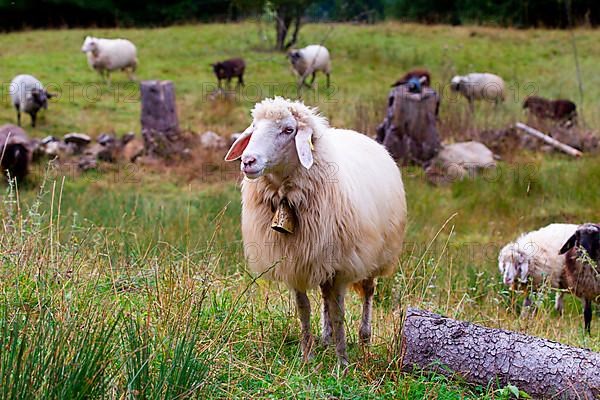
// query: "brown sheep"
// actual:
[[581, 271], [229, 69], [559, 110]]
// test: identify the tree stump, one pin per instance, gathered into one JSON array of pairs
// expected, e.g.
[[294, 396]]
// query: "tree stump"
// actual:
[[482, 356], [15, 151], [160, 126], [409, 129]]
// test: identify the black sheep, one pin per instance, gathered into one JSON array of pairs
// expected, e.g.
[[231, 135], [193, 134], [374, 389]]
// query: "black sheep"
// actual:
[[229, 69]]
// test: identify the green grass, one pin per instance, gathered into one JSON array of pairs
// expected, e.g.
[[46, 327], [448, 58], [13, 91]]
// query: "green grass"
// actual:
[[130, 283]]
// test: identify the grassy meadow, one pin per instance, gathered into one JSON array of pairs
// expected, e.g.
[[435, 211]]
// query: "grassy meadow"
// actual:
[[130, 282]]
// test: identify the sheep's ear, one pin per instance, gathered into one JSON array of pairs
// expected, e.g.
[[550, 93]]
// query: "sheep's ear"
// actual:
[[304, 145], [568, 245], [50, 95], [238, 147]]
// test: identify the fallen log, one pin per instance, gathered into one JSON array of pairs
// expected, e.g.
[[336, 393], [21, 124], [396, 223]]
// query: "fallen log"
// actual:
[[549, 139], [483, 356]]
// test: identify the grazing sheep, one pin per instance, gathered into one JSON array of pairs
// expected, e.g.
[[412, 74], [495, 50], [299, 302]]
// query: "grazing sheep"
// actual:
[[479, 86], [106, 55], [233, 68], [15, 152], [29, 96], [552, 109], [308, 61], [422, 75], [582, 271], [533, 259], [343, 199]]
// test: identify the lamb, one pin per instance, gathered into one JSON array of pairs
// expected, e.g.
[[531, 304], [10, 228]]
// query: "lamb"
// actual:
[[421, 74], [479, 86], [106, 55], [560, 109], [340, 211], [29, 96], [230, 69], [533, 259], [308, 61], [582, 271]]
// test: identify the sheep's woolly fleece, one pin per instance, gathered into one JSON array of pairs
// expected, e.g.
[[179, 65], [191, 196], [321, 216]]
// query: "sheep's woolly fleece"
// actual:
[[279, 108], [350, 220]]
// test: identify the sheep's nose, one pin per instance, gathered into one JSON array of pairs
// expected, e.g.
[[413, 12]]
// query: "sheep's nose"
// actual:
[[248, 161]]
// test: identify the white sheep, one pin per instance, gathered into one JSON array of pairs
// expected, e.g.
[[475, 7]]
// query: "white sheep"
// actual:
[[106, 55], [346, 197], [533, 259], [308, 61], [479, 86], [29, 96], [582, 271]]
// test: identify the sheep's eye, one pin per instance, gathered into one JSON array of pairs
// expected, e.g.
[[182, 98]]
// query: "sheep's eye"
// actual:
[[288, 130]]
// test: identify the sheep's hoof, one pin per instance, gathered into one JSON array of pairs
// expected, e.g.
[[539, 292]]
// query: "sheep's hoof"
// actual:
[[306, 346], [326, 340], [343, 361], [364, 334]]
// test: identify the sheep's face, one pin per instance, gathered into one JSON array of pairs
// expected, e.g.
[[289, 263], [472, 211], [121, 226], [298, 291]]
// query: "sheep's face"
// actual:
[[514, 268], [273, 146], [40, 98], [218, 69], [89, 44], [456, 82], [270, 148], [587, 240], [294, 56]]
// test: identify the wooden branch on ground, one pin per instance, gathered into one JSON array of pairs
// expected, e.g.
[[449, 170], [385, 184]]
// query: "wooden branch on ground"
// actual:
[[550, 140], [483, 356]]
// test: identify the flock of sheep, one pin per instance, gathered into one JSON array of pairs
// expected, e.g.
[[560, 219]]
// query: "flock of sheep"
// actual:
[[309, 229]]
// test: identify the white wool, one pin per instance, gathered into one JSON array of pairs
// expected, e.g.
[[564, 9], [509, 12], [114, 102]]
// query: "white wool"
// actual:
[[480, 86], [350, 204], [313, 58], [535, 255], [20, 92], [110, 54]]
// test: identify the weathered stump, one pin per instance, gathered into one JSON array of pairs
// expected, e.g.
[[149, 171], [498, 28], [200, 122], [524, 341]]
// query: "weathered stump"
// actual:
[[160, 126], [409, 129], [482, 356], [15, 151]]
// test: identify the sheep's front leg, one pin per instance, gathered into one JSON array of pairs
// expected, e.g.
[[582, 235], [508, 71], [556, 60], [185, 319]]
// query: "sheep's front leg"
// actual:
[[303, 308], [326, 329], [559, 304], [335, 304], [18, 115], [587, 315], [368, 289]]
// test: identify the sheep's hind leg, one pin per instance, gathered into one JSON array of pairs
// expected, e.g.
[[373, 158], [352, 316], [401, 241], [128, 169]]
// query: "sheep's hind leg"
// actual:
[[312, 81], [326, 328], [303, 308], [368, 289], [335, 303]]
